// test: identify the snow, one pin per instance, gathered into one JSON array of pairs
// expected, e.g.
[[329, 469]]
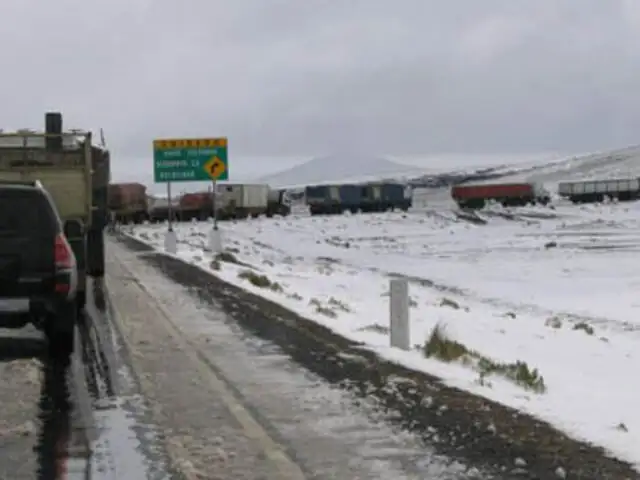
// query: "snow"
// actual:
[[522, 283], [553, 287]]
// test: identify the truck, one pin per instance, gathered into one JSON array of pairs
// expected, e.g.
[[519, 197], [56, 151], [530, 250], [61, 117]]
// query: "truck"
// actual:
[[591, 191], [128, 202], [75, 172], [475, 196], [195, 205], [159, 209], [333, 199], [278, 202], [365, 197], [381, 197], [241, 200], [100, 178]]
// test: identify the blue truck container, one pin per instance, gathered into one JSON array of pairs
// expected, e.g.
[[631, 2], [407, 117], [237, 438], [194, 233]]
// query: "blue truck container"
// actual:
[[380, 197], [370, 197], [332, 199], [396, 195]]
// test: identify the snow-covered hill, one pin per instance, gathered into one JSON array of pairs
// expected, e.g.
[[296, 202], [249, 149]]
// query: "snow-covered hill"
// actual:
[[338, 168]]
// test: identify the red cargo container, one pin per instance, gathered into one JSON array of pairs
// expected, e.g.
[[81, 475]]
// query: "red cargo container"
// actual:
[[195, 201], [127, 196], [489, 191], [508, 194]]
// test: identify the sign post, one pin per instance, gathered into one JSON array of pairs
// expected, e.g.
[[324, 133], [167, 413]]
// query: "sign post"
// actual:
[[191, 160], [170, 239], [214, 205]]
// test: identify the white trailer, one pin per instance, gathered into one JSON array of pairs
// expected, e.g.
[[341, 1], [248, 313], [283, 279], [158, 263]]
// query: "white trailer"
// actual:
[[596, 190], [240, 200]]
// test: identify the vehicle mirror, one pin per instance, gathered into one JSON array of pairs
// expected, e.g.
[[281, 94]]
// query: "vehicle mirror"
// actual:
[[73, 229]]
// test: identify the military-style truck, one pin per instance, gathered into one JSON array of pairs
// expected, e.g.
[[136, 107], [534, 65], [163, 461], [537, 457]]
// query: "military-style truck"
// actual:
[[76, 174]]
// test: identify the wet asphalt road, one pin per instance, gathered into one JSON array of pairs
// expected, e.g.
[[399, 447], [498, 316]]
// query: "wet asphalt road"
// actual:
[[82, 421]]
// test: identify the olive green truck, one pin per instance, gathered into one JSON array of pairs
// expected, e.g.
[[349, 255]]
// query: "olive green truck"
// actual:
[[76, 173]]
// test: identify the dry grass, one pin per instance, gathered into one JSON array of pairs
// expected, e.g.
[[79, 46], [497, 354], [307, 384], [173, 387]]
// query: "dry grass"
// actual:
[[447, 350]]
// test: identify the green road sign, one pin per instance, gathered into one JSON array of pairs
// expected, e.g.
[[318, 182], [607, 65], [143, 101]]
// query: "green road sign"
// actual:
[[190, 160]]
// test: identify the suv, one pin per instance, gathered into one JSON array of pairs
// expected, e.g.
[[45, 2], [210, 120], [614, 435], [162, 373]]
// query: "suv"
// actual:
[[38, 272]]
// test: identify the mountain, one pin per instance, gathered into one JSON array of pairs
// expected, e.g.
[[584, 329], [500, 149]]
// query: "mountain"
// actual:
[[338, 168]]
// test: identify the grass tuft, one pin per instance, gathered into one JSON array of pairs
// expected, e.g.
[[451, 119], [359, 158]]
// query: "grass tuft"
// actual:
[[261, 281], [441, 347]]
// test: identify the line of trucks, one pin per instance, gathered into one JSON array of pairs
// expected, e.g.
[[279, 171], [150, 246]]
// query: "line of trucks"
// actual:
[[475, 196], [130, 202]]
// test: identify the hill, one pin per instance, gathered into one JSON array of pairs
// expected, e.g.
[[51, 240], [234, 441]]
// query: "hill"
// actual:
[[338, 168]]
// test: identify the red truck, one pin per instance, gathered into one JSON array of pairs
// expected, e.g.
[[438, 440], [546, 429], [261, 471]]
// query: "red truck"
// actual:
[[196, 205], [128, 201], [508, 194]]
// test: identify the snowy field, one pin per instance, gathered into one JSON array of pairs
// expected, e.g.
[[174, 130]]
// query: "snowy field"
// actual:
[[554, 288]]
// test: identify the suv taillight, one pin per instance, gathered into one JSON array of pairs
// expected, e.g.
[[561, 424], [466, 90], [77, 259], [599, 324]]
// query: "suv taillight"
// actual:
[[63, 253], [65, 261]]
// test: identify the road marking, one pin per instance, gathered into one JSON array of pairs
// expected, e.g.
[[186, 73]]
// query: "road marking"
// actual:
[[274, 452]]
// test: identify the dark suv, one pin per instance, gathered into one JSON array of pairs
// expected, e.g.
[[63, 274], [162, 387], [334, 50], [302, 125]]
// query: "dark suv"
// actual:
[[38, 273]]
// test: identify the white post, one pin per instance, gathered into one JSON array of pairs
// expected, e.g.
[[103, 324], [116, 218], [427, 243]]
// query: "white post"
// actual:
[[399, 313], [170, 238]]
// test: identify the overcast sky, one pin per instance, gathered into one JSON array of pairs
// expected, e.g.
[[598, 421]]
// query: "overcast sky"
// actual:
[[305, 77]]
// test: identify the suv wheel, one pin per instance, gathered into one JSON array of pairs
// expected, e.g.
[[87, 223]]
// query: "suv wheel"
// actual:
[[60, 332]]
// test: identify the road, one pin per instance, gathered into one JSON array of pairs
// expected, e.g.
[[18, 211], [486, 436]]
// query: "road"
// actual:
[[77, 422], [177, 375]]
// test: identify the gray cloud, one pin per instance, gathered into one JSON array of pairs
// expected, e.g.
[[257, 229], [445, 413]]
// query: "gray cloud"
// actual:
[[309, 77]]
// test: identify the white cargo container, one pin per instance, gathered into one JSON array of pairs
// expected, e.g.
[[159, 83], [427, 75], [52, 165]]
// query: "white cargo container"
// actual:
[[627, 187], [240, 200]]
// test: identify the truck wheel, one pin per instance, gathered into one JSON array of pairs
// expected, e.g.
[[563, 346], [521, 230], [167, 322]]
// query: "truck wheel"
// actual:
[[95, 253], [81, 301], [60, 332]]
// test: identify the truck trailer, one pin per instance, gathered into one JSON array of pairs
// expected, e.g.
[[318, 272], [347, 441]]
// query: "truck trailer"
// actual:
[[241, 200], [365, 197], [128, 202], [591, 191], [475, 196]]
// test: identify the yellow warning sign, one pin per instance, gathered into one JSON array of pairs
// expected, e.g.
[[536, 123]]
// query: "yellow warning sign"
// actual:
[[214, 167], [171, 143]]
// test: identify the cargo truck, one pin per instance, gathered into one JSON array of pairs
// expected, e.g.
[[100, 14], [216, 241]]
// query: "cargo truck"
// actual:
[[241, 200], [196, 205], [100, 178], [381, 197], [278, 202], [75, 173], [591, 191], [476, 196], [367, 197], [128, 202], [333, 199]]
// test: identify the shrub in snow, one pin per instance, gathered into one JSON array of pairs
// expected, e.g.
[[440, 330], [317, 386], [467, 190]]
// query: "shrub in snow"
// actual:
[[447, 350], [261, 281]]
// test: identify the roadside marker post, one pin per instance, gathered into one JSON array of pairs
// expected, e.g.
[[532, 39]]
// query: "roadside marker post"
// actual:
[[191, 160], [399, 313]]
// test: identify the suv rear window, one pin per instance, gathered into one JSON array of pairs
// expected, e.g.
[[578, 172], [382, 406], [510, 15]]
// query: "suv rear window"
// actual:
[[24, 210]]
